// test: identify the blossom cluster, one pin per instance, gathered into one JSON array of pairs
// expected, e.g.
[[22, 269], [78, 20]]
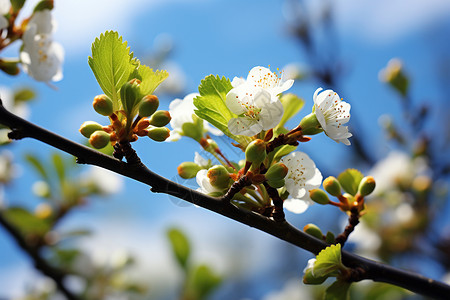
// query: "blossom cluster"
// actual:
[[41, 56], [256, 107]]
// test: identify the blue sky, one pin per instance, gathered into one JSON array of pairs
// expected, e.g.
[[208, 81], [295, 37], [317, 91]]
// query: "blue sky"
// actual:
[[226, 38]]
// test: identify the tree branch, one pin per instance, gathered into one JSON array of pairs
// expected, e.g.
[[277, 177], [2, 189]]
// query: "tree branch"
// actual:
[[39, 262], [283, 230]]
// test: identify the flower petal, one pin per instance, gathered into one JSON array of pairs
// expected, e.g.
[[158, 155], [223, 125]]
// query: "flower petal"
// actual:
[[3, 22], [296, 206], [244, 126], [237, 81]]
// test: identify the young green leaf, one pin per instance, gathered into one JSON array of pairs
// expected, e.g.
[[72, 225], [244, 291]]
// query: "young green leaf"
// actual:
[[58, 164], [17, 4], [282, 151], [38, 166], [338, 290], [112, 64], [212, 108], [330, 238], [180, 246], [202, 282], [44, 4], [24, 95], [328, 261], [292, 105], [149, 79], [349, 180], [25, 221]]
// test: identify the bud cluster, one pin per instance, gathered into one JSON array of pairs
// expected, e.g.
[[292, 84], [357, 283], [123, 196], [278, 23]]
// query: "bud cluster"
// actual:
[[131, 117], [356, 188]]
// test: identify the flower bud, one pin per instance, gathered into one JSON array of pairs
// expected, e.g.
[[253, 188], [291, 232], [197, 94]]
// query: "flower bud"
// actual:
[[142, 124], [395, 76], [103, 105], [276, 172], [212, 145], [313, 230], [160, 118], [256, 151], [10, 67], [99, 139], [89, 127], [41, 189], [158, 134], [310, 125], [43, 211], [332, 186], [276, 183], [188, 169], [366, 186], [149, 104], [319, 196], [219, 177], [308, 278], [130, 96]]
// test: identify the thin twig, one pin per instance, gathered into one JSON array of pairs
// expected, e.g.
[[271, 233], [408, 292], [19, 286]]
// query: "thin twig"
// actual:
[[39, 262], [283, 230], [353, 220]]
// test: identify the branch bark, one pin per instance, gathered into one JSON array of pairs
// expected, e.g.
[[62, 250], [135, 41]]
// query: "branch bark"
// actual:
[[283, 230]]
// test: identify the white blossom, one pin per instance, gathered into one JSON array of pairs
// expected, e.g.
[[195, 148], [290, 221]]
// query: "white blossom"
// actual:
[[257, 110], [182, 112], [310, 265], [261, 77], [41, 57], [201, 161], [397, 168], [105, 181], [302, 177], [5, 6], [204, 183], [255, 101], [332, 113]]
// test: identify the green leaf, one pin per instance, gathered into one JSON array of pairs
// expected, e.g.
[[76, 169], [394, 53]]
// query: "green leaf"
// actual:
[[58, 164], [330, 238], [17, 4], [24, 95], [292, 105], [180, 246], [112, 64], [44, 4], [202, 282], [149, 79], [65, 257], [25, 221], [328, 261], [212, 108], [349, 180], [338, 291], [282, 151], [37, 165]]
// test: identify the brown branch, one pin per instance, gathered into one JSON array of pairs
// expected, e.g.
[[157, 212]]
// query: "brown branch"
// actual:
[[353, 220], [236, 188], [283, 230], [278, 212], [40, 263]]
